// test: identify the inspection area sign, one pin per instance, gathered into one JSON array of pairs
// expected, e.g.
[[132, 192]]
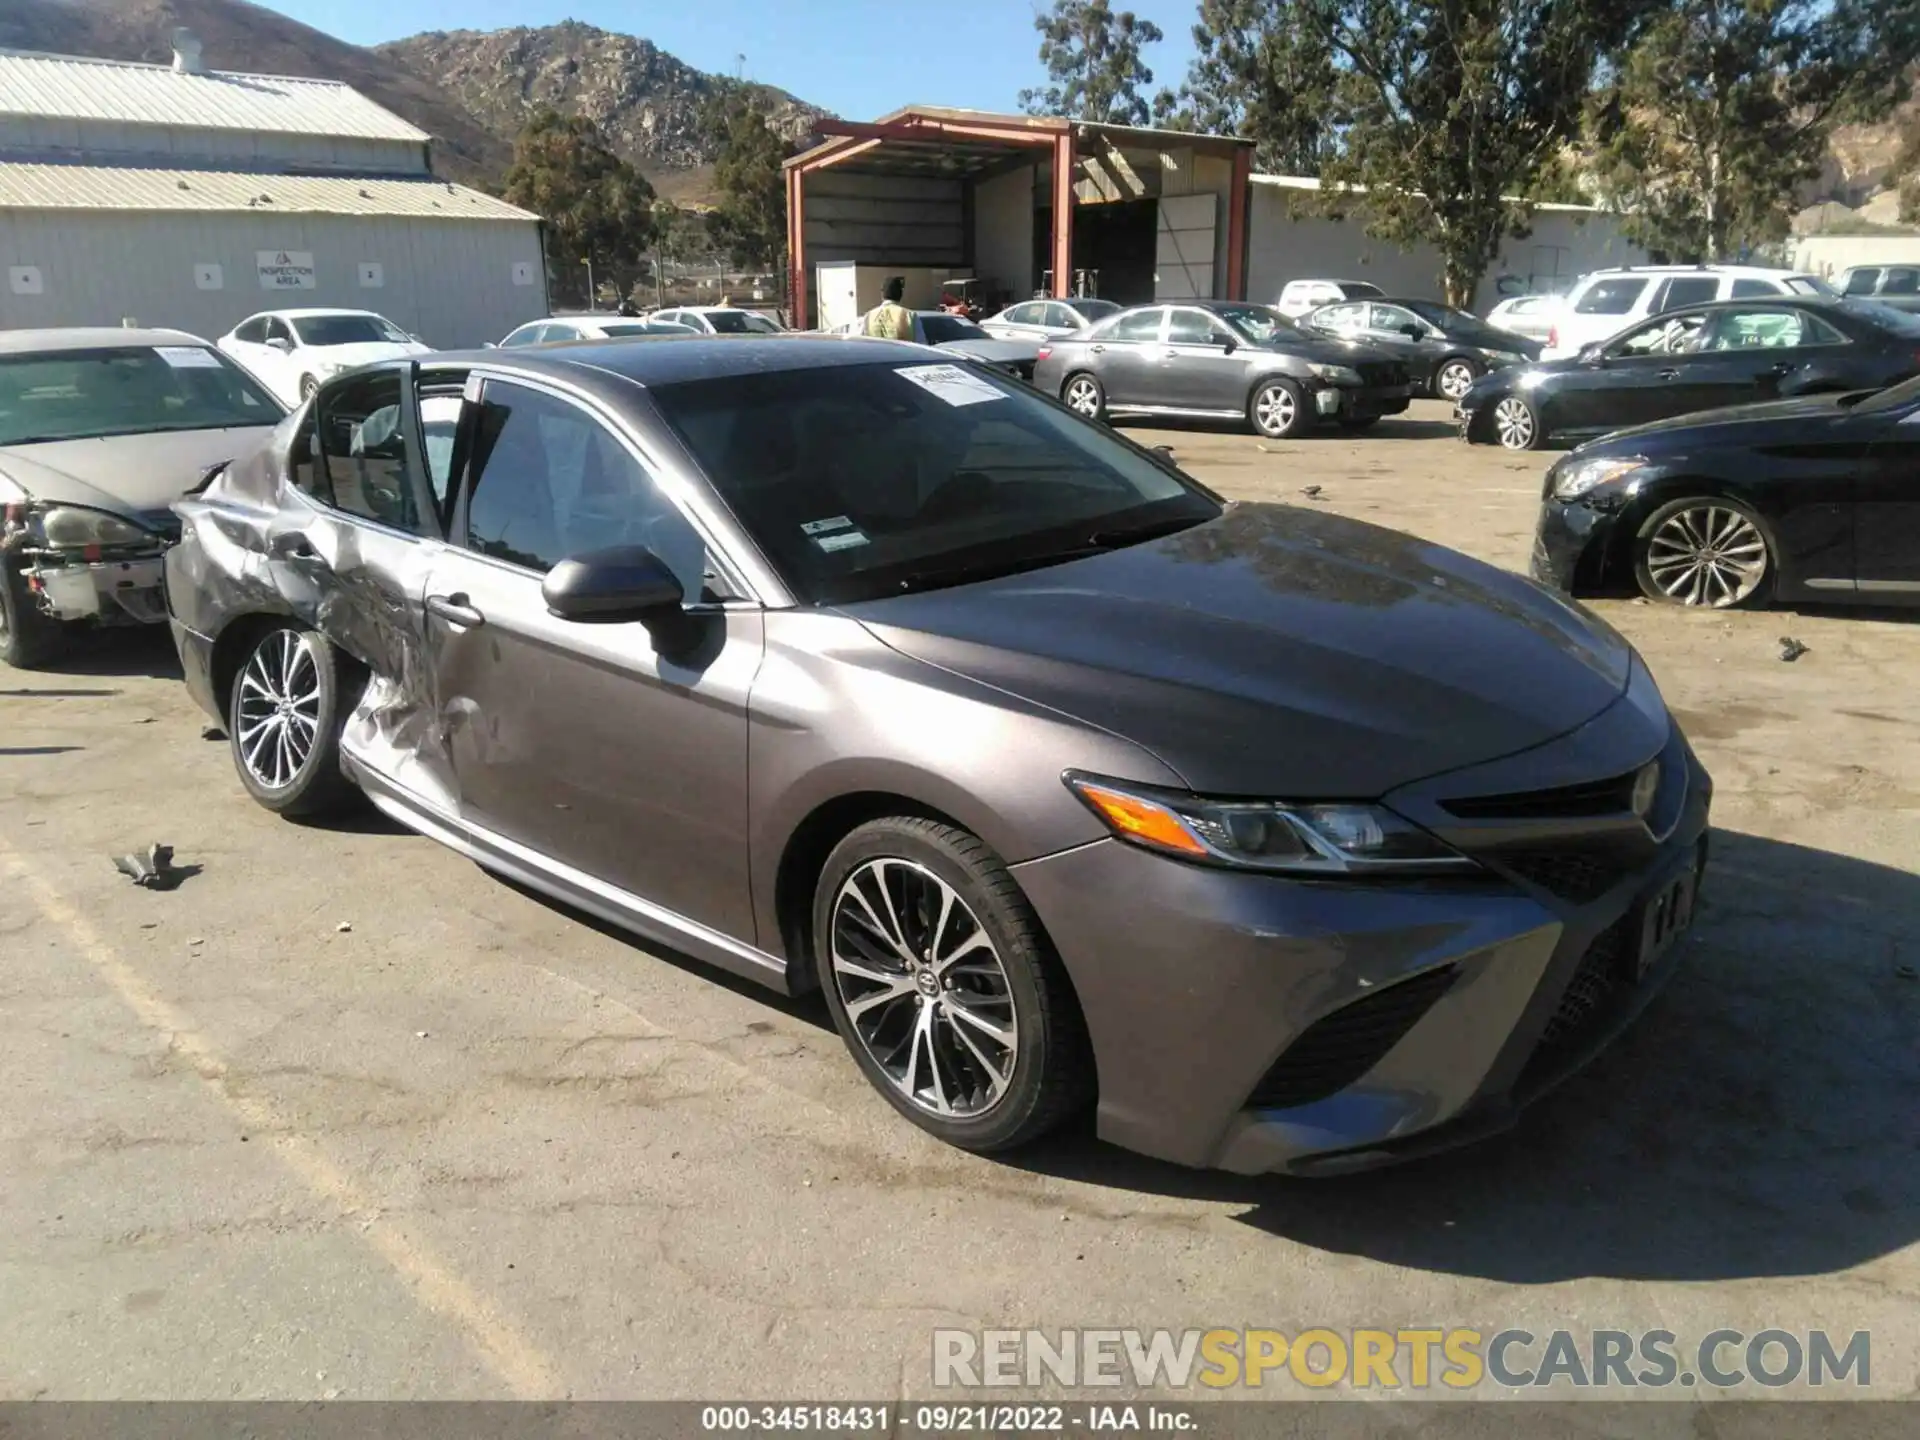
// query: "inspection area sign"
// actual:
[[285, 269]]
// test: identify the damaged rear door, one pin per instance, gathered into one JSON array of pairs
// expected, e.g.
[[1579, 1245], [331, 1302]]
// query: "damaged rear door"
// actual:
[[354, 565]]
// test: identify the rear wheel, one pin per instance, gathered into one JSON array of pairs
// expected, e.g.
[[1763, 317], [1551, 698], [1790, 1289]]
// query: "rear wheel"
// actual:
[[1706, 551], [1515, 425], [29, 637], [1455, 378], [943, 986], [1084, 396], [283, 724], [1278, 410]]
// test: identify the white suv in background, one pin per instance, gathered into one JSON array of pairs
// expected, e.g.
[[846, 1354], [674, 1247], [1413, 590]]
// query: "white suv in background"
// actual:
[[1606, 302]]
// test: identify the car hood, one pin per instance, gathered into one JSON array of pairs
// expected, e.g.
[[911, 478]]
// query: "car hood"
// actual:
[[1279, 652], [994, 352], [1733, 418], [126, 474], [366, 353]]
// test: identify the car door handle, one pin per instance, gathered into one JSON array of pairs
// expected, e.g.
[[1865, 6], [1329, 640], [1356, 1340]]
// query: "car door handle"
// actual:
[[455, 609], [292, 545], [1667, 375], [1098, 349]]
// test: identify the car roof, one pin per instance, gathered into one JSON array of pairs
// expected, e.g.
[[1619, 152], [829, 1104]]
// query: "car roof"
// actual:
[[313, 313], [671, 359], [98, 337]]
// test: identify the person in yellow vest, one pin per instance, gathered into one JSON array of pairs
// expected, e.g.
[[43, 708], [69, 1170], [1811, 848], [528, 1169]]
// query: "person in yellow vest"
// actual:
[[890, 320]]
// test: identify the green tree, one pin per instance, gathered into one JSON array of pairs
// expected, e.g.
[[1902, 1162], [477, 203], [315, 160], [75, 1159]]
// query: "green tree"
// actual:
[[751, 217], [1261, 73], [1453, 111], [598, 208], [1094, 67], [1719, 113]]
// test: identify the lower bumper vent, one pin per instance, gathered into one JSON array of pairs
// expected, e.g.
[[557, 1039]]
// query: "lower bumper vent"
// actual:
[[1339, 1048]]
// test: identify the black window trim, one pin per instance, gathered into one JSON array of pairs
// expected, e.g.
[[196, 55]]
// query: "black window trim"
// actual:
[[753, 581]]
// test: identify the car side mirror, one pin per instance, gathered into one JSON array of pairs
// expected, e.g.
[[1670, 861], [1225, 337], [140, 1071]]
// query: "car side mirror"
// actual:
[[1228, 344], [491, 345], [1412, 332], [285, 347], [622, 582], [1593, 355]]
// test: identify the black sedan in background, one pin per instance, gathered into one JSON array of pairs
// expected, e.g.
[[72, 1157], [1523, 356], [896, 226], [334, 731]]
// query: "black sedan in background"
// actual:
[[1809, 499], [1221, 359], [1445, 350], [1702, 357]]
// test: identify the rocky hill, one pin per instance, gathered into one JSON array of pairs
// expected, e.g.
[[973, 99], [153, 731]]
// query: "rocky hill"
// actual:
[[647, 103], [239, 36]]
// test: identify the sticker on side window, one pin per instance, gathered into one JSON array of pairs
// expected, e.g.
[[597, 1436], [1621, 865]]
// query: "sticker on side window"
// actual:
[[951, 383], [187, 357]]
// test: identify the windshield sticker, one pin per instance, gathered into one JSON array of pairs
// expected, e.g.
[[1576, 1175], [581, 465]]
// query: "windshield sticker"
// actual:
[[843, 540], [826, 527], [187, 357], [951, 383]]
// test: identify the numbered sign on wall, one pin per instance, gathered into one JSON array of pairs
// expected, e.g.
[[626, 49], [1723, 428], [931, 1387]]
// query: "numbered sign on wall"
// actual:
[[523, 272], [209, 277], [26, 280], [373, 275]]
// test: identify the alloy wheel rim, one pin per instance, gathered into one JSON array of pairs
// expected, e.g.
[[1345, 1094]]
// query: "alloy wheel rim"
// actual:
[[1275, 410], [925, 991], [279, 718], [1707, 555], [1455, 380], [1514, 422], [1082, 397]]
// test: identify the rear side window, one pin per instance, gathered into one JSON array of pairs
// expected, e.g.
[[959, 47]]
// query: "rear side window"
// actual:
[[1611, 297], [549, 481], [1694, 290], [1901, 282], [363, 462], [1861, 282]]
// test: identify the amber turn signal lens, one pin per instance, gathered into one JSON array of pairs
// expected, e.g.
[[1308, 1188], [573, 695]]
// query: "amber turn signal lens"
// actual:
[[1130, 815]]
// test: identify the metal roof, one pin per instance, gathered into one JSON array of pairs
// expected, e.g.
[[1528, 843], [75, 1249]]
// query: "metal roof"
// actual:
[[28, 186], [74, 88]]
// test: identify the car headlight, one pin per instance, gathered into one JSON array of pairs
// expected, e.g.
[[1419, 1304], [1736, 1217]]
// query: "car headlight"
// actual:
[[1501, 359], [1304, 839], [72, 527], [1336, 374], [1575, 480]]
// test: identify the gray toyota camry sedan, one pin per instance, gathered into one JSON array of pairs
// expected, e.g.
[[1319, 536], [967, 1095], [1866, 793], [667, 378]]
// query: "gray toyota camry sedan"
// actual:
[[1282, 841]]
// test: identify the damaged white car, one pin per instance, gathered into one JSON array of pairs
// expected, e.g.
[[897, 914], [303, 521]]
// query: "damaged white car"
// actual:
[[100, 431]]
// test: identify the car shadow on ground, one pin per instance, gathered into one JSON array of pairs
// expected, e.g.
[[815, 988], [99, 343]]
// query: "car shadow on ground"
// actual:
[[1762, 1118], [123, 651]]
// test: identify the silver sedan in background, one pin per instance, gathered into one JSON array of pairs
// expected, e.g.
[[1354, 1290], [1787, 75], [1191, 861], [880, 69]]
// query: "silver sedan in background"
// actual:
[[1047, 319]]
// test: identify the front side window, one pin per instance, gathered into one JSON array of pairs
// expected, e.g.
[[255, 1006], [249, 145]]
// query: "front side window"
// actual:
[[364, 461], [1392, 320], [253, 331], [1136, 325], [861, 481], [322, 331], [126, 390], [1192, 327], [1340, 317], [277, 329], [525, 335], [1255, 322], [548, 481], [1611, 297], [1669, 335], [1770, 329], [1862, 282]]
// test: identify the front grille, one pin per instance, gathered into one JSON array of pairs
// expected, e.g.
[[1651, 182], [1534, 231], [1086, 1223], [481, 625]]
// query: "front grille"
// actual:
[[1382, 372], [1612, 796], [1601, 977], [1339, 1048], [1575, 876]]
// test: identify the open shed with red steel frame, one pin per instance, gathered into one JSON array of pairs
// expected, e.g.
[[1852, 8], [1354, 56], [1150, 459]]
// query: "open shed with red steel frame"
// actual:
[[1033, 204]]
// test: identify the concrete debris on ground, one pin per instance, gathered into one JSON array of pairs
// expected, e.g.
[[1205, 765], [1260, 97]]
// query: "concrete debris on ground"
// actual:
[[212, 732], [1790, 648], [1312, 492]]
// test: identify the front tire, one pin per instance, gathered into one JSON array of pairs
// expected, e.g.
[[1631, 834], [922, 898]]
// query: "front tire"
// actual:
[[1278, 410], [1704, 551], [284, 720], [1455, 378], [944, 988], [29, 638], [1084, 395], [1515, 425], [307, 386]]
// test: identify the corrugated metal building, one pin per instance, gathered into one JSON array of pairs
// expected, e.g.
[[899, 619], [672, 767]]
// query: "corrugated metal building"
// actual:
[[192, 198]]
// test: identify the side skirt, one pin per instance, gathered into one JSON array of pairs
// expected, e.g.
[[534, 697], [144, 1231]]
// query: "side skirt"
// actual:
[[570, 886]]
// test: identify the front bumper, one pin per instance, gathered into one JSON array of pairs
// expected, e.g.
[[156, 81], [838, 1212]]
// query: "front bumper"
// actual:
[[1205, 992], [1349, 402], [1571, 543], [112, 592]]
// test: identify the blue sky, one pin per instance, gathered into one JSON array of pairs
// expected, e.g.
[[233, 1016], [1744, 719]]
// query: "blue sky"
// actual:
[[858, 58]]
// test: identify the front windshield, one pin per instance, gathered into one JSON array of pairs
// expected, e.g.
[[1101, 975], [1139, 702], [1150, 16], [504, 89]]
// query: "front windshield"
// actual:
[[730, 322], [1885, 316], [868, 480], [132, 390], [939, 329], [319, 332], [1811, 285], [638, 327], [1255, 322], [761, 325]]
